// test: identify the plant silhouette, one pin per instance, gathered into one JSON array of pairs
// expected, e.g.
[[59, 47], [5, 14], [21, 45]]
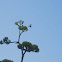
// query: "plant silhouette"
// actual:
[[25, 46], [6, 60]]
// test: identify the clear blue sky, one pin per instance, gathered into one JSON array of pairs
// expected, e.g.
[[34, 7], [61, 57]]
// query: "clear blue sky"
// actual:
[[46, 19]]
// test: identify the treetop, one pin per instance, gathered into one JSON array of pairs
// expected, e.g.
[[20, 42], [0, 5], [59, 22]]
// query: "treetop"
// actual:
[[27, 46]]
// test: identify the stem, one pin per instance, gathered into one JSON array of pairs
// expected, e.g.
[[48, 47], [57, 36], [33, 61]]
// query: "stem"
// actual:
[[22, 58], [23, 55], [19, 35]]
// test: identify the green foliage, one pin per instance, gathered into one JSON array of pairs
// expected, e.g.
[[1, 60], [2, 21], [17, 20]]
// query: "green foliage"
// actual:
[[5, 39], [6, 60], [35, 48], [27, 46], [1, 42], [23, 28], [20, 46]]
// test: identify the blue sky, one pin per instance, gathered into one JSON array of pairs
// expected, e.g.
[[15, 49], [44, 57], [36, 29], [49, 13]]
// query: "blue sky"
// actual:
[[46, 32]]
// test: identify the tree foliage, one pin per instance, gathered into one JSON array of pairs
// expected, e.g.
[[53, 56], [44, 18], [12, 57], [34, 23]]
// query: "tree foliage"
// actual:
[[6, 41], [28, 47], [21, 26], [6, 60]]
